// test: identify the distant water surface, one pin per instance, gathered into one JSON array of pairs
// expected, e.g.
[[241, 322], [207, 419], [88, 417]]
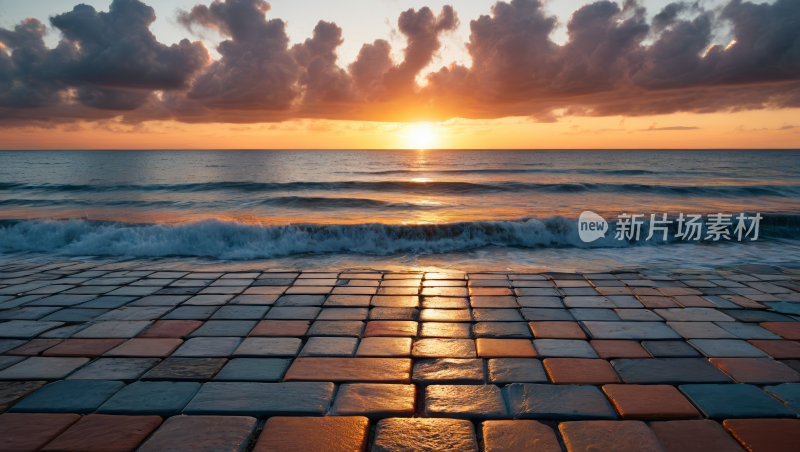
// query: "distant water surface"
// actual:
[[268, 204]]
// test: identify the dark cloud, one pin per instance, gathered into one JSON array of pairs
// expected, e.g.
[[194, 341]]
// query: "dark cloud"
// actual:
[[615, 62]]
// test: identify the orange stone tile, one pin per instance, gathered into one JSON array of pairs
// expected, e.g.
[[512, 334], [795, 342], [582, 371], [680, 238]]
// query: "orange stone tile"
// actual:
[[391, 328], [519, 436], [34, 347], [557, 330], [318, 434], [489, 291], [756, 370], [608, 349], [281, 328], [694, 436], [778, 349], [650, 402], [101, 432], [171, 328], [744, 302], [602, 436], [29, 432], [658, 302], [579, 371], [83, 347], [786, 330], [363, 370], [765, 435], [505, 348]]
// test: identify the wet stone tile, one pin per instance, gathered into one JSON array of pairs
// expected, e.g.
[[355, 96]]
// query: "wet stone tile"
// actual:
[[516, 370], [42, 368], [445, 303], [424, 435], [224, 328], [171, 329], [343, 314], [25, 329], [734, 401], [444, 348], [395, 301], [384, 347], [630, 330], [579, 371], [191, 313], [788, 393], [34, 347], [109, 433], [347, 301], [693, 436], [201, 434], [185, 369], [30, 432], [11, 344], [374, 400], [145, 348], [668, 371], [254, 369], [606, 315], [161, 398], [317, 434], [8, 361], [113, 329], [773, 435], [208, 347], [752, 316], [496, 315], [106, 303], [69, 396], [670, 349], [619, 436], [540, 302], [280, 328], [389, 328], [786, 330], [625, 302], [347, 328], [546, 314], [541, 401], [701, 330], [478, 301], [254, 299], [261, 399], [83, 347], [240, 312], [465, 402], [557, 330], [118, 369], [300, 300], [727, 348], [28, 313], [519, 436], [329, 346], [292, 313], [564, 348], [448, 371], [394, 314], [510, 330], [758, 371], [607, 349]]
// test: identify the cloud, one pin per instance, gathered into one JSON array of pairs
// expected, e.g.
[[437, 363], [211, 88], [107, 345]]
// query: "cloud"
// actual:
[[616, 62], [653, 128]]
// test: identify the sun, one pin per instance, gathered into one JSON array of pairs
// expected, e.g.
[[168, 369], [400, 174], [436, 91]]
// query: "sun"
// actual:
[[420, 136]]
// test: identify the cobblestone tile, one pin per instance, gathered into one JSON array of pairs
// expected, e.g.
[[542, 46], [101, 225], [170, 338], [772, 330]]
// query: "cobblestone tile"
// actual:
[[384, 347], [388, 328], [607, 349], [328, 434], [224, 328], [162, 398], [563, 348], [292, 313], [448, 371], [340, 328], [107, 433], [366, 370], [445, 348], [630, 330], [34, 347], [516, 370], [119, 369], [649, 402], [424, 435], [201, 434], [557, 330], [668, 371], [113, 329], [171, 329], [374, 400], [343, 314], [261, 399], [83, 347], [266, 347], [519, 436], [786, 330], [25, 329], [208, 347], [185, 369], [579, 371], [254, 369], [546, 315], [619, 436], [778, 349], [693, 436], [727, 348], [735, 401], [13, 391], [465, 402], [540, 401], [449, 330], [788, 393], [69, 396], [501, 330], [330, 346], [280, 328], [145, 348], [765, 435], [670, 349]]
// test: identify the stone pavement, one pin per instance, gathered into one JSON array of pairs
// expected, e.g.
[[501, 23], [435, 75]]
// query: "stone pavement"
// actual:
[[110, 356]]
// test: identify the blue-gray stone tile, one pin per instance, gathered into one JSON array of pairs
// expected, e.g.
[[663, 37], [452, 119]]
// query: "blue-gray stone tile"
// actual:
[[254, 369], [557, 402], [262, 399], [69, 396], [162, 398], [735, 401]]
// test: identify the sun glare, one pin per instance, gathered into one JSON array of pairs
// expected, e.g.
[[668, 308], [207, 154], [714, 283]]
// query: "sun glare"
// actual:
[[420, 136]]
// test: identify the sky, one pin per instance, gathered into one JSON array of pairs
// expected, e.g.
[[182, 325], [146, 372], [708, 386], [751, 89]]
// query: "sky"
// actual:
[[399, 74]]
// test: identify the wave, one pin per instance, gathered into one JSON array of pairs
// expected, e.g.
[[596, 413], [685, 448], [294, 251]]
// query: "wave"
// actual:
[[235, 240], [425, 188], [295, 202]]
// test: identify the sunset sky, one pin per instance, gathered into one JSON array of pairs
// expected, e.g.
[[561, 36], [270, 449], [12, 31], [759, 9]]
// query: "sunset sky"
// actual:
[[178, 74]]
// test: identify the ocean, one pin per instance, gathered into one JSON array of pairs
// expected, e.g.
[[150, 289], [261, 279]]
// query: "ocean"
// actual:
[[499, 209]]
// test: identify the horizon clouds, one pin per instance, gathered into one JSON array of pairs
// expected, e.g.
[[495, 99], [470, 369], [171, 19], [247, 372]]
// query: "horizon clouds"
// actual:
[[615, 63]]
